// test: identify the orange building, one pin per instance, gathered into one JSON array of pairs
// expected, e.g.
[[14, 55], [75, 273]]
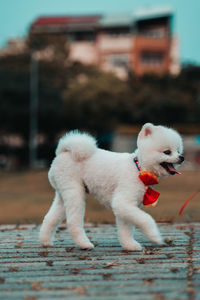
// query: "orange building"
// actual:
[[142, 42]]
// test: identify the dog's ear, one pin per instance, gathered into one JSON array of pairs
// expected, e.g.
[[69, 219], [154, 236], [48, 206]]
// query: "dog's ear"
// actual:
[[146, 130]]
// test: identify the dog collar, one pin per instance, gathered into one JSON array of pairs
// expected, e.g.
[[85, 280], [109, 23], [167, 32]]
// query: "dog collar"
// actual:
[[150, 196]]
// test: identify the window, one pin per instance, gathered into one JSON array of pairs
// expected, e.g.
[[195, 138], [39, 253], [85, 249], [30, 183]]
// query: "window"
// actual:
[[153, 32], [117, 31], [118, 60], [81, 36], [152, 58]]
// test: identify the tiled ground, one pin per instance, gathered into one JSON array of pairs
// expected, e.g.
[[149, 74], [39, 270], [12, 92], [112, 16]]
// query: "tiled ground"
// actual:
[[30, 272]]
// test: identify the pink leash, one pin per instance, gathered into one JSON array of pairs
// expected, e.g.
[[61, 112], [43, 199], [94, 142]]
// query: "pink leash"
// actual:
[[187, 201]]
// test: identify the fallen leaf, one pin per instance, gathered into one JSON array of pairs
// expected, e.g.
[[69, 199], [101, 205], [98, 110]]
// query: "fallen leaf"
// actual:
[[149, 250], [44, 253], [36, 285], [149, 281], [160, 296], [140, 260], [169, 242], [169, 255], [187, 233], [84, 258], [81, 290], [49, 263], [126, 252], [74, 271], [174, 270], [19, 245], [113, 263], [2, 279], [69, 249], [107, 276], [13, 269], [197, 270]]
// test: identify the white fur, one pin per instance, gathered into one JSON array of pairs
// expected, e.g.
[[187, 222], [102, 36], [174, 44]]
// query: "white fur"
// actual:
[[81, 145], [110, 177]]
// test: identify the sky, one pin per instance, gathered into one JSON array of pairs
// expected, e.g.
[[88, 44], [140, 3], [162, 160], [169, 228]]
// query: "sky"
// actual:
[[17, 15]]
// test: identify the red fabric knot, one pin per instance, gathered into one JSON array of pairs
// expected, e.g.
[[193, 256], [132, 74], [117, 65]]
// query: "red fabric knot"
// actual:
[[148, 178], [150, 196]]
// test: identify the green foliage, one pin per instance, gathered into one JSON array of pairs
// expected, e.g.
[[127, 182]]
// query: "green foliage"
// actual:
[[76, 96], [95, 102], [72, 95], [167, 99], [14, 95]]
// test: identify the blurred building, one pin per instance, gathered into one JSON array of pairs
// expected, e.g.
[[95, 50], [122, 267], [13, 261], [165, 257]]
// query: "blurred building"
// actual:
[[14, 47], [142, 42]]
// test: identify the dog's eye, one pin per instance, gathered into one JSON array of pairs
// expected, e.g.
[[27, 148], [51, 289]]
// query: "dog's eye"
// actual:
[[167, 152]]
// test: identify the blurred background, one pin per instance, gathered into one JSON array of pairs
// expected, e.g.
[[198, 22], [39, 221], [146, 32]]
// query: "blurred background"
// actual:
[[105, 67]]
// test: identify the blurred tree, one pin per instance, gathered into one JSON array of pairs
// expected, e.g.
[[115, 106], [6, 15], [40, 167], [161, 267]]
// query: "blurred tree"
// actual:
[[73, 95], [95, 102], [167, 99], [14, 95]]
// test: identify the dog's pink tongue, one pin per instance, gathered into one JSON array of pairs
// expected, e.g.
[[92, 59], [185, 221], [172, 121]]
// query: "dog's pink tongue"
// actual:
[[172, 169]]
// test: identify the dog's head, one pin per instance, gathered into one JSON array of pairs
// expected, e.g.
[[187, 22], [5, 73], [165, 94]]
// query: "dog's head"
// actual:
[[160, 150]]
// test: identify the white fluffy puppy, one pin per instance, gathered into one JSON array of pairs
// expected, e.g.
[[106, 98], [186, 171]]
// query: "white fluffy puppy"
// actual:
[[110, 177]]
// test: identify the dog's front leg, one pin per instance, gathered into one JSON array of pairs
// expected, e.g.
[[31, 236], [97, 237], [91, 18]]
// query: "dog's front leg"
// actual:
[[126, 236], [131, 214]]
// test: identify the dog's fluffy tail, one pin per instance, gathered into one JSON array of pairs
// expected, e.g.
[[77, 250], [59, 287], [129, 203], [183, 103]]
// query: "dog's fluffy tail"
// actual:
[[81, 145]]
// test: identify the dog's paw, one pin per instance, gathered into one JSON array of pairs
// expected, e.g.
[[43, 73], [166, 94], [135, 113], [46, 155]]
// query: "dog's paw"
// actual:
[[86, 246], [157, 239], [132, 246], [45, 242]]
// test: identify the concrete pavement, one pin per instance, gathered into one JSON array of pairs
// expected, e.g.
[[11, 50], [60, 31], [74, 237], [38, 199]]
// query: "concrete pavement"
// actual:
[[30, 272]]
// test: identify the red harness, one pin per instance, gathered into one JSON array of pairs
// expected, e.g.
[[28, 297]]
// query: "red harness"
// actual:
[[150, 196]]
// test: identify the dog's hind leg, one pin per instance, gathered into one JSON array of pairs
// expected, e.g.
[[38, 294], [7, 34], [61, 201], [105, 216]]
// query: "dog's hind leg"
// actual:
[[125, 233], [54, 216], [74, 201]]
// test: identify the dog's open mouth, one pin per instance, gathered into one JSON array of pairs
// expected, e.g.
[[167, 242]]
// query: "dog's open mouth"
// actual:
[[169, 167]]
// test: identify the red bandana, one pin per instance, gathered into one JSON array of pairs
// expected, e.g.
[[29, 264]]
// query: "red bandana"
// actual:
[[151, 196]]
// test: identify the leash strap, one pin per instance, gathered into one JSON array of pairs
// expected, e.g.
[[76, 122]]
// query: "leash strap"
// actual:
[[187, 201]]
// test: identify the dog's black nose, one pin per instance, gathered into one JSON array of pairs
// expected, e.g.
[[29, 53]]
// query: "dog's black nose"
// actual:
[[181, 158]]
